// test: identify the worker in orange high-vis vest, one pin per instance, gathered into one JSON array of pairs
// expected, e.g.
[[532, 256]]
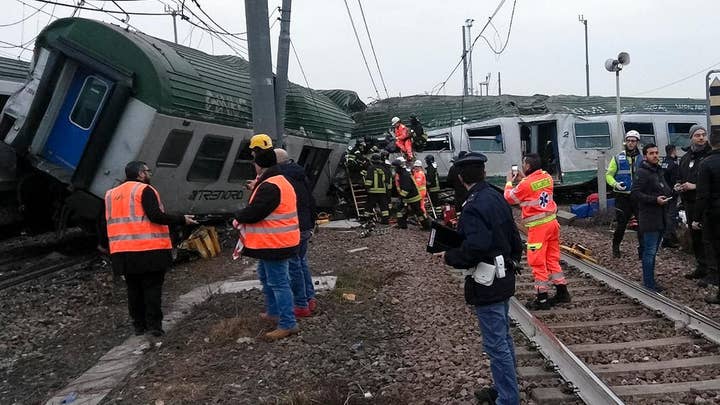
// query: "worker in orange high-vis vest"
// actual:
[[419, 176], [270, 232], [534, 194], [139, 244], [403, 139]]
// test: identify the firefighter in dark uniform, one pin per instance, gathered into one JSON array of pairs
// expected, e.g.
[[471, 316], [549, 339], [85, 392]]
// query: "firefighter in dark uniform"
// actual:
[[433, 180], [377, 186], [410, 196]]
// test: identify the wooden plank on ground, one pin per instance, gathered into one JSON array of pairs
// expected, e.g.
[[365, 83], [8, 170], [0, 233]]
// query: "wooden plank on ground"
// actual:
[[677, 340], [619, 368], [536, 373], [654, 389], [565, 218], [605, 322], [552, 396]]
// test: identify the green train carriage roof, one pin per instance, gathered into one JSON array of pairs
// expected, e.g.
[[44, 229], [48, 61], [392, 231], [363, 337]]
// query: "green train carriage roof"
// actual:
[[181, 81], [445, 111], [13, 70]]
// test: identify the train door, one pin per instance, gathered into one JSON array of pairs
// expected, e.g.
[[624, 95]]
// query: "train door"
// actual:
[[76, 119], [541, 138]]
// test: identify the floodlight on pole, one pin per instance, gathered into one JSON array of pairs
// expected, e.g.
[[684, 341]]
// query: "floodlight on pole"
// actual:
[[584, 21], [616, 65]]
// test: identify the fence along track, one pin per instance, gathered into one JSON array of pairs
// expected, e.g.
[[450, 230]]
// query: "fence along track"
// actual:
[[620, 313]]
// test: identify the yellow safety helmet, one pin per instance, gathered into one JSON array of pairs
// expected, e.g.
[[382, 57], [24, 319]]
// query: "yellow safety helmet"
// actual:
[[261, 141]]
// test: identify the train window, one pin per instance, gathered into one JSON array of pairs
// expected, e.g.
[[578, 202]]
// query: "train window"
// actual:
[[438, 143], [314, 161], [87, 106], [488, 139], [174, 148], [646, 130], [678, 133], [209, 159], [243, 168], [592, 135]]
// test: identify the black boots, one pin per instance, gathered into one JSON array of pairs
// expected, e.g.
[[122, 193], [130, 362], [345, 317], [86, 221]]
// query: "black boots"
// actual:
[[561, 295], [487, 395], [616, 251], [540, 303]]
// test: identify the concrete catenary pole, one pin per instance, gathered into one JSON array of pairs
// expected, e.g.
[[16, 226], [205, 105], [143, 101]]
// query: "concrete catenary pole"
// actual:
[[465, 64], [261, 75], [281, 79]]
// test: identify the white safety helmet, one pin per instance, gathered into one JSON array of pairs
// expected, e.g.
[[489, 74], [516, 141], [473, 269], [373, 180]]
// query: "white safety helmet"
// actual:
[[632, 134], [417, 163], [395, 120]]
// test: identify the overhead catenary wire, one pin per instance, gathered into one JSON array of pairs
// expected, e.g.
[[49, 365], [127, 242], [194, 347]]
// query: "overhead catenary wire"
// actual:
[[352, 23], [462, 57], [95, 8], [372, 47], [24, 18], [690, 76]]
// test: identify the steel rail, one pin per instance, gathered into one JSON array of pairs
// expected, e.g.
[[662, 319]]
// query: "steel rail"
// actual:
[[679, 313], [591, 389], [12, 280]]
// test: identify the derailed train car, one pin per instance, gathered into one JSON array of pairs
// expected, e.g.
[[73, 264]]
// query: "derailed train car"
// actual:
[[569, 132], [99, 96]]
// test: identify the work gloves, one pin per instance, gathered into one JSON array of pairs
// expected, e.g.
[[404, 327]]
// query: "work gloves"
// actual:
[[620, 186]]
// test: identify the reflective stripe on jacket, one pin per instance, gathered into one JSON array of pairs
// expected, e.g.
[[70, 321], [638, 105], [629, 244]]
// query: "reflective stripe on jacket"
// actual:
[[128, 228], [406, 187], [433, 179], [534, 194], [375, 180], [281, 228], [623, 168]]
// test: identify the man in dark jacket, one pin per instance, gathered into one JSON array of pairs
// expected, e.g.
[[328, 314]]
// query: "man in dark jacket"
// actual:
[[708, 202], [652, 195], [488, 230], [140, 245], [671, 171], [269, 229], [300, 277], [454, 182], [433, 180], [689, 165], [376, 184]]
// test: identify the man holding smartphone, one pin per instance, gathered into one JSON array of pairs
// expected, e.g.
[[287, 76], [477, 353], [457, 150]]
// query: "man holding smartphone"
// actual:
[[652, 194]]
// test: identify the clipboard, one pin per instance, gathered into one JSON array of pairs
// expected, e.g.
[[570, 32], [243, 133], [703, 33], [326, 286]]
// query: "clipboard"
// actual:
[[442, 238]]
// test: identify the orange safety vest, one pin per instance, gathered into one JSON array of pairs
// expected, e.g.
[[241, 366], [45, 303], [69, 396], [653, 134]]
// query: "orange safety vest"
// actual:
[[420, 180], [280, 229], [534, 193], [128, 228]]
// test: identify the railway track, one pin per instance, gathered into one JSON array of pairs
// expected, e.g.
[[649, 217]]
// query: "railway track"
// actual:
[[619, 343], [16, 270]]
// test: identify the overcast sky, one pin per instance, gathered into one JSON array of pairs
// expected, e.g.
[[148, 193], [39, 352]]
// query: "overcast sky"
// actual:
[[418, 42]]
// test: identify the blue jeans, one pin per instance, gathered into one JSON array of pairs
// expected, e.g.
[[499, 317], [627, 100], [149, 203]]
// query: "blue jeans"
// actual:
[[651, 243], [273, 275], [300, 278], [498, 344]]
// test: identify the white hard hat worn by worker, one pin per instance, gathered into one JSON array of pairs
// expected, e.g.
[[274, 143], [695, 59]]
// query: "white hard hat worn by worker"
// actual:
[[395, 120], [632, 134], [417, 163]]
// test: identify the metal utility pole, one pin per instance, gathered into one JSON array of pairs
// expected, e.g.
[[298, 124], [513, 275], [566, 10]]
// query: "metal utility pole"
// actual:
[[261, 75], [281, 78], [587, 62], [173, 14], [468, 25], [464, 60]]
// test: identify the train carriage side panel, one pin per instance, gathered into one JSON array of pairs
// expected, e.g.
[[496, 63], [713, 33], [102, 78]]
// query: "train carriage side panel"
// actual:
[[126, 145]]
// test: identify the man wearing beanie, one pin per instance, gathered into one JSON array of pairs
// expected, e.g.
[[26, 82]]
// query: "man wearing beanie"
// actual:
[[270, 232], [689, 167]]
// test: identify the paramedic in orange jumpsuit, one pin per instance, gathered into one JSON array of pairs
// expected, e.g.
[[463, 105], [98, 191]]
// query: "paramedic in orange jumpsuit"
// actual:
[[534, 194], [403, 140], [419, 177]]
